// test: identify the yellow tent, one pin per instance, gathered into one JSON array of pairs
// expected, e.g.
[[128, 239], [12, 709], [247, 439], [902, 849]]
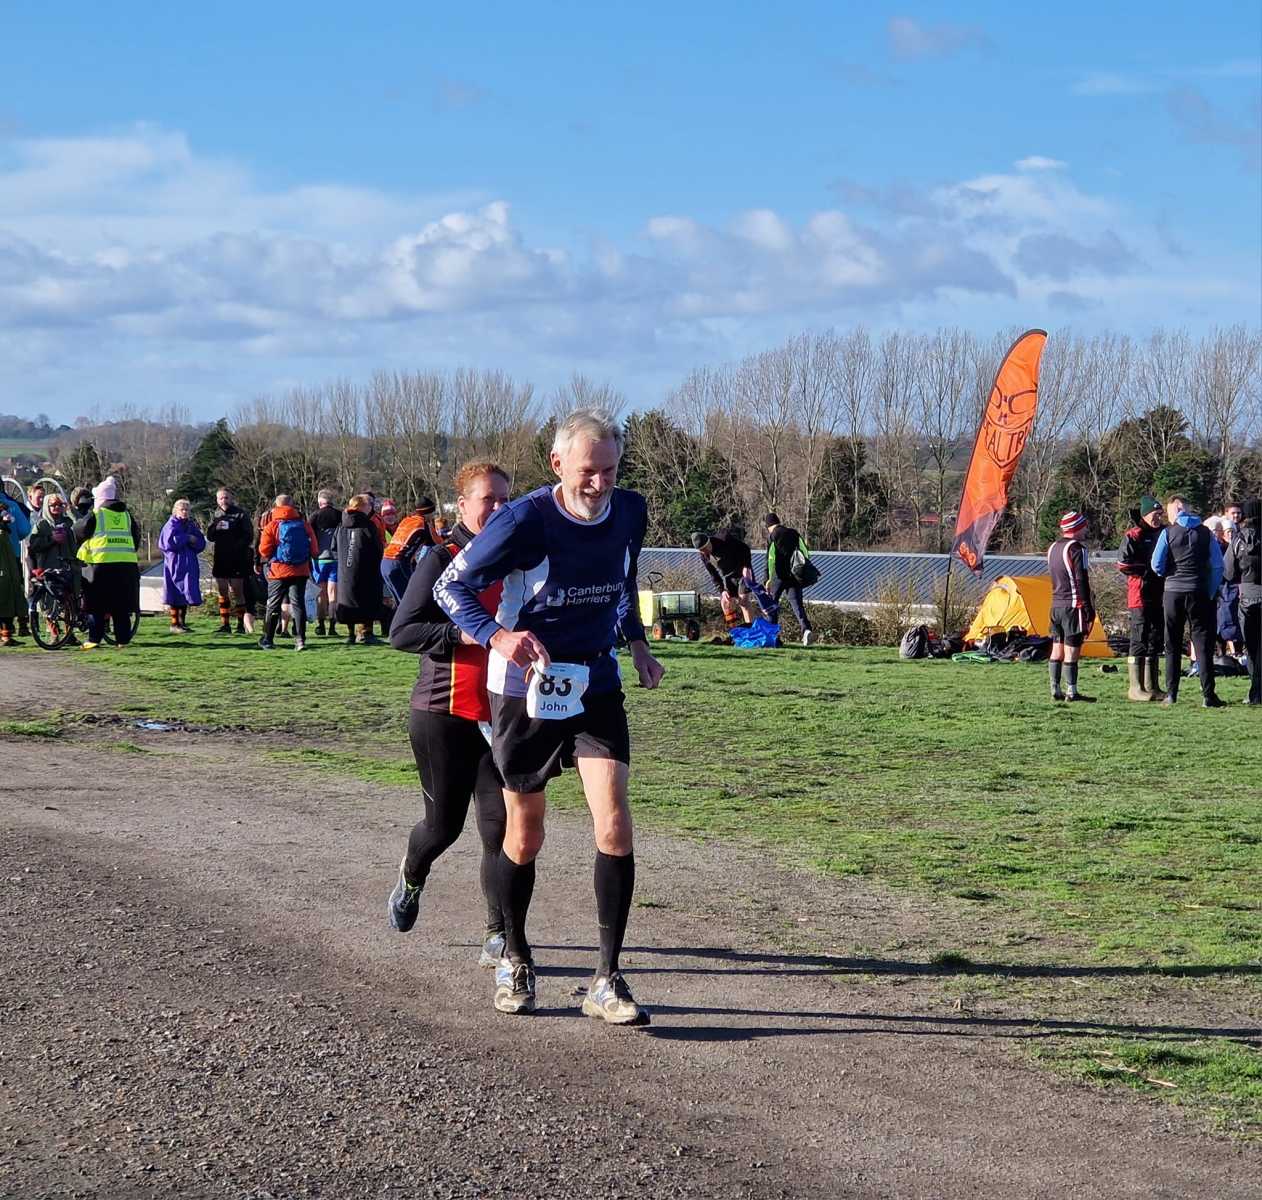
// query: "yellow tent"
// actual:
[[1025, 601]]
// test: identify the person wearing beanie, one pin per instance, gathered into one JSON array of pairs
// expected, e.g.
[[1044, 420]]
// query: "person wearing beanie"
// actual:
[[730, 563], [1242, 565], [1144, 589], [1073, 610], [109, 543], [288, 546], [325, 521], [413, 535], [1188, 557], [784, 546]]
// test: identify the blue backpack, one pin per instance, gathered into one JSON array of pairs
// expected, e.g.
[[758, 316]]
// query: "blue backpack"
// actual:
[[293, 547]]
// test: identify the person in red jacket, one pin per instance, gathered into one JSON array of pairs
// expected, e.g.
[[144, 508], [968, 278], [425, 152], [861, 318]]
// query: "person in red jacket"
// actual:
[[287, 546], [1144, 591]]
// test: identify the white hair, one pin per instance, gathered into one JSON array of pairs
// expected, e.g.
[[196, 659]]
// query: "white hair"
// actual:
[[595, 423]]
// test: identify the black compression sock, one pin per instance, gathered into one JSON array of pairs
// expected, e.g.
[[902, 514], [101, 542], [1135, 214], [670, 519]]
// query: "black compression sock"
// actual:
[[515, 886], [1054, 666], [615, 882], [490, 890], [1071, 676]]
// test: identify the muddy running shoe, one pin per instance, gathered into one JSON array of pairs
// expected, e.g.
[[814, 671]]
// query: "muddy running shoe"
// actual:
[[514, 987], [404, 904], [492, 949], [610, 999]]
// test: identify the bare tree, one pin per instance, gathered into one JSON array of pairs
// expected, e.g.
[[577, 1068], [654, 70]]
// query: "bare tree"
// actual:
[[1224, 395], [944, 390]]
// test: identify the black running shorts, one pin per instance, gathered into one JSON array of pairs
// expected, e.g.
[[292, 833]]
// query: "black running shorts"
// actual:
[[529, 751], [1068, 625]]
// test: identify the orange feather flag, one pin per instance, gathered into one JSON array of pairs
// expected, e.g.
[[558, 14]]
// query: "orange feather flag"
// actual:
[[1001, 437]]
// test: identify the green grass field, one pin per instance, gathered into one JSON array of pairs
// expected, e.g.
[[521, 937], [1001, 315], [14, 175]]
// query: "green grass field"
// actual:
[[12, 446], [1111, 835]]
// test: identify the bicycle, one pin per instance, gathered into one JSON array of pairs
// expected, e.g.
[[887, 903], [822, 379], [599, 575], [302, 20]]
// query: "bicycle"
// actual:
[[56, 613]]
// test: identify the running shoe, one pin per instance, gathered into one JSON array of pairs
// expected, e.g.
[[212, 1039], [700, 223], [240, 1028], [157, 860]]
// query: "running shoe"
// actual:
[[89, 645], [1079, 698], [299, 644], [808, 638], [266, 644], [1213, 701], [224, 629], [492, 949], [610, 999], [404, 904], [514, 987]]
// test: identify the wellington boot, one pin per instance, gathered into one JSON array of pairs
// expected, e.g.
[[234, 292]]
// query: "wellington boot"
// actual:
[[1137, 668], [1151, 686]]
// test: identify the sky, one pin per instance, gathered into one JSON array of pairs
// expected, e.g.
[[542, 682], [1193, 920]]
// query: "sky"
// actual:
[[203, 204]]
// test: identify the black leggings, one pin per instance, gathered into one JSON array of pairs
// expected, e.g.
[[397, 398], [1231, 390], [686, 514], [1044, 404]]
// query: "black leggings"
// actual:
[[455, 765]]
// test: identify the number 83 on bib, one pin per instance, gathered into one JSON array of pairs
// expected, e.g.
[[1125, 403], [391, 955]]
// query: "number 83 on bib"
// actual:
[[557, 693]]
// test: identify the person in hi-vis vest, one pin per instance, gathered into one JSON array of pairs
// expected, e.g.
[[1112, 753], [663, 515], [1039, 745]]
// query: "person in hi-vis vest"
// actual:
[[108, 540]]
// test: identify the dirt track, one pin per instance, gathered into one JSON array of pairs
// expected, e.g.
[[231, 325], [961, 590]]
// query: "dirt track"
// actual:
[[199, 997]]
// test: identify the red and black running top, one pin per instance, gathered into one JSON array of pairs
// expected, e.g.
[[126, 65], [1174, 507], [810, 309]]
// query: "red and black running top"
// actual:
[[452, 678]]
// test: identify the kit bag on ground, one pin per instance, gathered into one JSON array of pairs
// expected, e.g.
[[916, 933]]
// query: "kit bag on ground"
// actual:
[[915, 643]]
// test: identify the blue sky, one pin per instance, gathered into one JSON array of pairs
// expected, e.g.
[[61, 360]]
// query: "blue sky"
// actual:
[[201, 205]]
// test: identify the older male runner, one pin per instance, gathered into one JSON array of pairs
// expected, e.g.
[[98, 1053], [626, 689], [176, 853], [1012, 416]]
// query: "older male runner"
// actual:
[[567, 556]]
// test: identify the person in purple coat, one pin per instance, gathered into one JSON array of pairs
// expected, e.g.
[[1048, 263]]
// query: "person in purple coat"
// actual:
[[181, 541]]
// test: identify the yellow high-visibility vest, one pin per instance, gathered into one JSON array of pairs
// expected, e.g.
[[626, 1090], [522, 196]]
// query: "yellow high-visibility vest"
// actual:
[[112, 541]]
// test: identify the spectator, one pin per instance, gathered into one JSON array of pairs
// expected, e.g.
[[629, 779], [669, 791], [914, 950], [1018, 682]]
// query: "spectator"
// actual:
[[730, 564], [181, 541], [783, 543], [15, 525], [34, 506], [109, 542], [389, 516], [413, 534], [1243, 566], [80, 503], [1227, 602], [232, 536], [1187, 556], [1073, 609], [52, 547], [325, 521], [1143, 599], [288, 546], [359, 551]]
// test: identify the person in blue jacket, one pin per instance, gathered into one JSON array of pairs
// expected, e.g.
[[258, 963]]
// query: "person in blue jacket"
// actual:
[[15, 525], [1188, 557]]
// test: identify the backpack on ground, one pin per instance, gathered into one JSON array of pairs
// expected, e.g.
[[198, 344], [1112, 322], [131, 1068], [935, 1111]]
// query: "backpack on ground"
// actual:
[[915, 643], [293, 547]]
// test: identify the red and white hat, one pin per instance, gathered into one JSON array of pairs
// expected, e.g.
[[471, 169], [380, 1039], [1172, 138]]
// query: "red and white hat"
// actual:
[[1073, 522]]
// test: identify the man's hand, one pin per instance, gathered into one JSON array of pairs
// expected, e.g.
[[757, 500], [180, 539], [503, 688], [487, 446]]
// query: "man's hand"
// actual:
[[647, 667], [521, 649], [466, 640], [747, 574]]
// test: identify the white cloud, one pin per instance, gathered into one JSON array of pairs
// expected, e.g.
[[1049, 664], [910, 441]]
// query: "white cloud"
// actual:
[[1036, 162], [131, 263], [909, 39]]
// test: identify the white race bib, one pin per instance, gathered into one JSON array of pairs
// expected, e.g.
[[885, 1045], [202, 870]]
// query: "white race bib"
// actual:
[[557, 693]]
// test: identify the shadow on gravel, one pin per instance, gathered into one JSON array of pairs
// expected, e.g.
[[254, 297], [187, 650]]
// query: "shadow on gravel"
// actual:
[[920, 1025], [761, 963]]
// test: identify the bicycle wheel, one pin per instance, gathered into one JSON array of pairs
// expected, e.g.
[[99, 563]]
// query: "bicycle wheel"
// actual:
[[52, 620], [107, 631]]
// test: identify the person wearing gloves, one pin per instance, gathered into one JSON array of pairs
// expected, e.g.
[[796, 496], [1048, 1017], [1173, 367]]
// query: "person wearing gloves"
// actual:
[[1144, 589], [15, 525], [1242, 565], [181, 541], [109, 538], [1187, 556]]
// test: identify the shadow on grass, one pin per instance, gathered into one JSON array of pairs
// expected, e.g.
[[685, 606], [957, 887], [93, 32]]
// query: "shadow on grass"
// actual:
[[761, 963]]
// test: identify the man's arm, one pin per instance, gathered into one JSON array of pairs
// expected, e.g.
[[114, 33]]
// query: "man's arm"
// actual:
[[1082, 578], [1161, 556], [1215, 565], [708, 563], [1127, 563], [503, 546], [647, 667]]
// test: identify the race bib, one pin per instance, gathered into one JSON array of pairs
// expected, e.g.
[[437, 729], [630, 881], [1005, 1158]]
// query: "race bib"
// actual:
[[557, 693]]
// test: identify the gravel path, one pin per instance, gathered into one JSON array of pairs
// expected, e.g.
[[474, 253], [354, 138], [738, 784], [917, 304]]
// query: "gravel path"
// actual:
[[199, 997]]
